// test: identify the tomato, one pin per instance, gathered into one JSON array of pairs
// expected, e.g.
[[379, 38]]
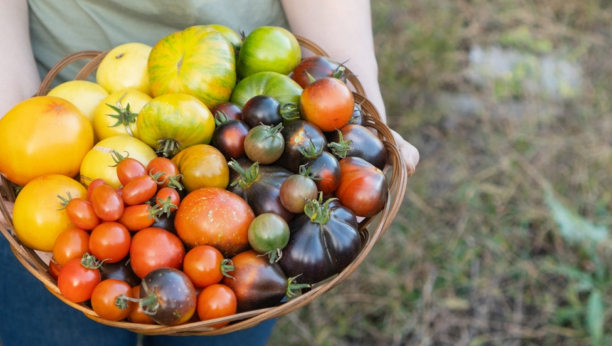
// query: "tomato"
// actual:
[[170, 296], [77, 282], [276, 85], [121, 270], [81, 213], [171, 174], [227, 111], [327, 103], [268, 48], [128, 168], [318, 67], [38, 216], [363, 188], [202, 166], [216, 217], [54, 269], [125, 66], [43, 135], [116, 115], [295, 191], [92, 186], [137, 315], [269, 234], [264, 144], [216, 301], [70, 244], [154, 248], [168, 200], [205, 266], [105, 295], [360, 142], [198, 61], [229, 137], [300, 135], [106, 203], [98, 163], [261, 109], [325, 170], [230, 35], [140, 190], [110, 242], [173, 122], [85, 95], [137, 217]]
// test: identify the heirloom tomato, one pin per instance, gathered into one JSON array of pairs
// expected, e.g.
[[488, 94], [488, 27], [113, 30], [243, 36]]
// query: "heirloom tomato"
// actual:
[[99, 163], [327, 103], [227, 111], [168, 296], [261, 109], [300, 135], [137, 315], [363, 187], [276, 85], [117, 113], [43, 135], [229, 138], [202, 166], [317, 67], [269, 234], [264, 144], [121, 270], [173, 122], [268, 48], [38, 215], [125, 66], [230, 35], [358, 141], [198, 61], [296, 191], [86, 95]]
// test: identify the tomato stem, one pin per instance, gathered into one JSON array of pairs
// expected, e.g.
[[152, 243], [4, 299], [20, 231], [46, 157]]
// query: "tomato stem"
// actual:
[[247, 176], [221, 118], [290, 111], [168, 147], [123, 115], [117, 157], [90, 262], [163, 206], [173, 182], [292, 287], [227, 266], [342, 147], [317, 211], [275, 255], [311, 151], [64, 201]]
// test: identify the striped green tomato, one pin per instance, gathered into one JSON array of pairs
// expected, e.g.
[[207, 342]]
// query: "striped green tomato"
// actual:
[[268, 48]]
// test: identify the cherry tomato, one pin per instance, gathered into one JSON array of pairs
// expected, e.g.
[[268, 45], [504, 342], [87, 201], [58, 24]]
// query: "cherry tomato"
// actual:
[[76, 282], [128, 168], [227, 110], [170, 295], [205, 266], [107, 203], [104, 296], [92, 186], [139, 190], [137, 217], [295, 191], [137, 315], [70, 244], [82, 215], [110, 242], [167, 167], [168, 199], [154, 248], [327, 103], [54, 269], [216, 301], [261, 109]]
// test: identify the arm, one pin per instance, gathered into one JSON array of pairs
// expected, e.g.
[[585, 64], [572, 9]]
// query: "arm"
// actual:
[[343, 28]]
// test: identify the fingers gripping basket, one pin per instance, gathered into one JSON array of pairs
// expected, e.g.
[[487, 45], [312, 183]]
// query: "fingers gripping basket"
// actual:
[[371, 229]]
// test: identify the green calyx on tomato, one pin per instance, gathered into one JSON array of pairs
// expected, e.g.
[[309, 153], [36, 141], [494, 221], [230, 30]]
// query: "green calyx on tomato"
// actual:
[[292, 287], [91, 262], [310, 151], [123, 115], [342, 147], [247, 176], [290, 111], [317, 211], [226, 267]]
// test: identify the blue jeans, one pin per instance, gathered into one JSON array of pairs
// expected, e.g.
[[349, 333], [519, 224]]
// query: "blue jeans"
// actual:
[[31, 315]]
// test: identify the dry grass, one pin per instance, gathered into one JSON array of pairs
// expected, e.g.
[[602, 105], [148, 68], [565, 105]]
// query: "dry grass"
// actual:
[[475, 256]]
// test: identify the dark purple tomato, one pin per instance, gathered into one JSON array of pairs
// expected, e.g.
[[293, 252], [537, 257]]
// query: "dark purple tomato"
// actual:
[[357, 117], [259, 186], [360, 142], [229, 138], [166, 222], [323, 242], [300, 135], [295, 191], [264, 144], [325, 171], [261, 109], [318, 67], [121, 270], [227, 110], [169, 295]]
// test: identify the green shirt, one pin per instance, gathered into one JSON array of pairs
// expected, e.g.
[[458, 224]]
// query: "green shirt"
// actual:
[[61, 27]]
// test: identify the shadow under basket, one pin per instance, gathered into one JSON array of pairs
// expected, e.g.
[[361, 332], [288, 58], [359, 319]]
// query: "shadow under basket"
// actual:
[[371, 229]]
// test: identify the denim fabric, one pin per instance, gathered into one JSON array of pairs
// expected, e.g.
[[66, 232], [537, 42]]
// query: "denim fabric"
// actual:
[[31, 315]]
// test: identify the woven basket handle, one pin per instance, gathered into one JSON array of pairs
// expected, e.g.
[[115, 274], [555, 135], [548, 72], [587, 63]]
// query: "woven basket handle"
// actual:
[[67, 60]]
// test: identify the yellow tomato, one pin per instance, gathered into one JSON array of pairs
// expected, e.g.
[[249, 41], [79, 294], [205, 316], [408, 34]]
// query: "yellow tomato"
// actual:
[[202, 165], [109, 122], [125, 66], [229, 34], [43, 135], [98, 161], [38, 216], [83, 94]]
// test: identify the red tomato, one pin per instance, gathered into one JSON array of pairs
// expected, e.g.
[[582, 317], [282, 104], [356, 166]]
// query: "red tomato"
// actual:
[[95, 183], [70, 244], [205, 266], [82, 215], [363, 188], [154, 248], [327, 103], [54, 269], [137, 315], [76, 283], [139, 190], [137, 217], [104, 296], [107, 203], [129, 169], [110, 242], [216, 301], [168, 199], [167, 167]]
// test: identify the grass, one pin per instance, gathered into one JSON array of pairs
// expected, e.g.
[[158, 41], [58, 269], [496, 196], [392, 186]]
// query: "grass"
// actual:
[[479, 255]]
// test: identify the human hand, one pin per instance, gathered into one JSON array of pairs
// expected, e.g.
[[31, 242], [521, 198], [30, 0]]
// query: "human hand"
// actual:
[[409, 153]]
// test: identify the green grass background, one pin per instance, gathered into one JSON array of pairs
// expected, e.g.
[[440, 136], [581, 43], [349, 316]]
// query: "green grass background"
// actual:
[[502, 238]]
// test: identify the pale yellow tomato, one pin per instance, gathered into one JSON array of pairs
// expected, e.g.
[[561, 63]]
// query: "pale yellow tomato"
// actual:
[[38, 216], [109, 122], [125, 66], [98, 162], [84, 94]]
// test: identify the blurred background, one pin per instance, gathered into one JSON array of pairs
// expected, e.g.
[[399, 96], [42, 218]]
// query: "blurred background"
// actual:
[[503, 236]]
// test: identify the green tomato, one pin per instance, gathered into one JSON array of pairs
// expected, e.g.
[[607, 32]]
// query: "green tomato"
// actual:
[[273, 84], [269, 234], [268, 48]]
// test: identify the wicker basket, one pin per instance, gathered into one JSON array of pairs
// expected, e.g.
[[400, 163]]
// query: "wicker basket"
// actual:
[[377, 225]]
